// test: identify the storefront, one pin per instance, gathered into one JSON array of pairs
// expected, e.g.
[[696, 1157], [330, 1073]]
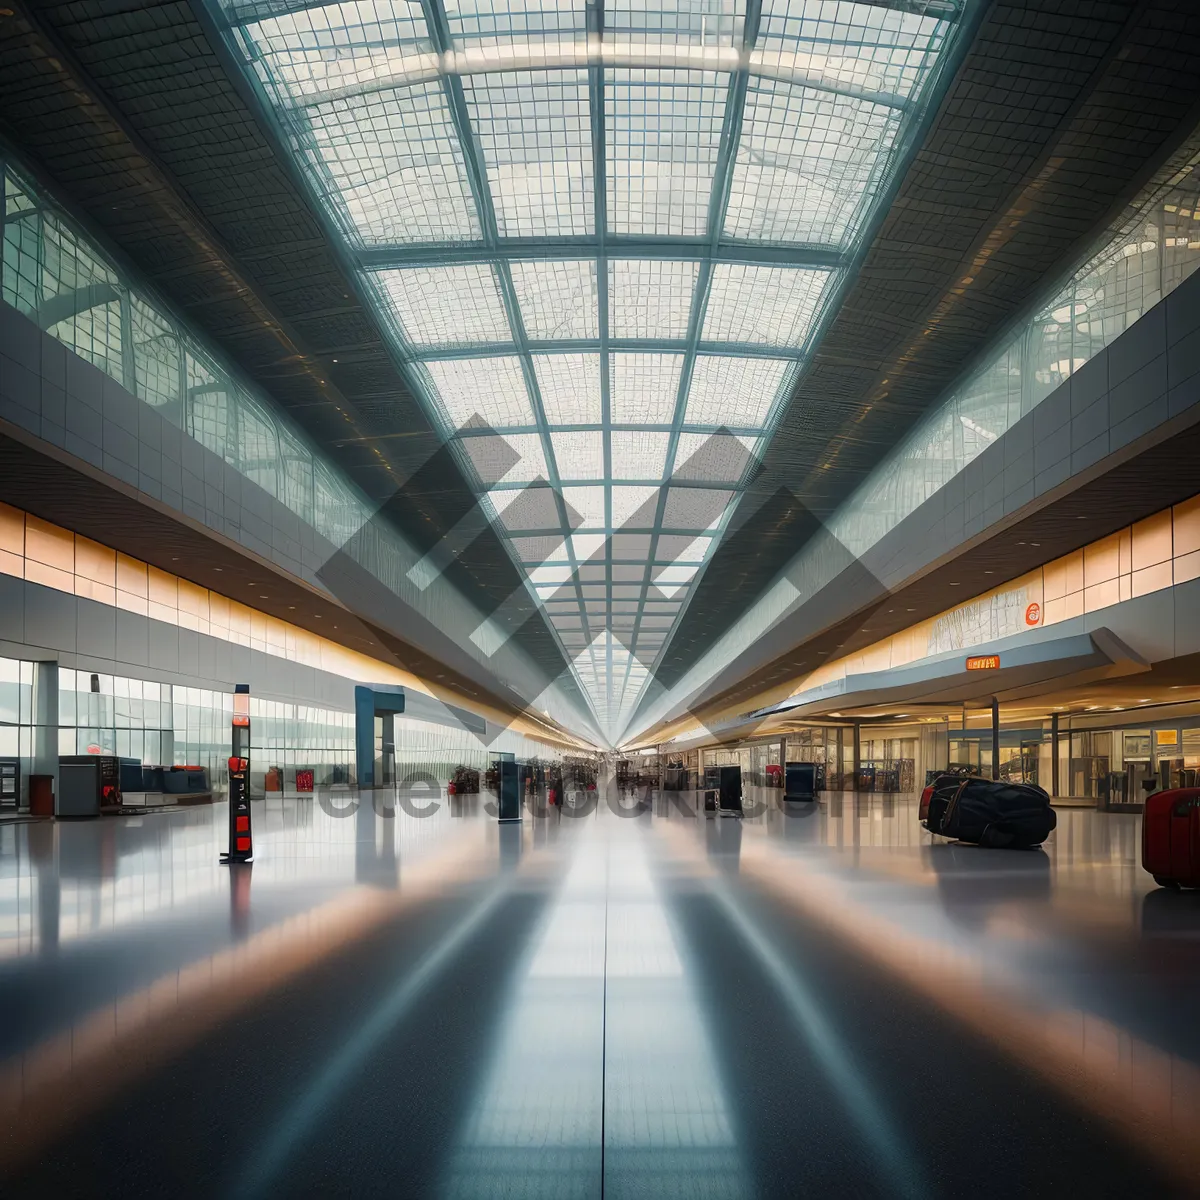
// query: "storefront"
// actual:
[[1101, 758]]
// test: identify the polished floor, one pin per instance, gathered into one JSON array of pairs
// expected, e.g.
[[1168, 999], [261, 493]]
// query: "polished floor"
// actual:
[[605, 1001]]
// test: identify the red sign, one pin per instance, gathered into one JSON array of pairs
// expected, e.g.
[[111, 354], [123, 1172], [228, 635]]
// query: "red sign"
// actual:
[[983, 662], [304, 781], [1033, 614]]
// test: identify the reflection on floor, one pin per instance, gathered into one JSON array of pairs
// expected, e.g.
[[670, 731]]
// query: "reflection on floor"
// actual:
[[636, 1002]]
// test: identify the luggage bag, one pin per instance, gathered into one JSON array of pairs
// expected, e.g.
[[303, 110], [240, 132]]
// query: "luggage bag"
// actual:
[[937, 795], [1171, 837], [988, 812]]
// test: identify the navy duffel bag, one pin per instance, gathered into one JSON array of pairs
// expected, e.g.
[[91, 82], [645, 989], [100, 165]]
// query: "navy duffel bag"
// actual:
[[991, 813]]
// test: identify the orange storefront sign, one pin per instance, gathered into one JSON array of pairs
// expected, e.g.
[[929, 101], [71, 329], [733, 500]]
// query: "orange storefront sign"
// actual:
[[983, 662]]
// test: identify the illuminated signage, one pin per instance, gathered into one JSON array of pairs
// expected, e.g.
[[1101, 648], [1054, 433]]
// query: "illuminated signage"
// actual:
[[983, 662], [1033, 614], [1166, 737]]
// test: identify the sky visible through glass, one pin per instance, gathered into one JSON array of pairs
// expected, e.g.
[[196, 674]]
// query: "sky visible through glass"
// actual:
[[607, 235]]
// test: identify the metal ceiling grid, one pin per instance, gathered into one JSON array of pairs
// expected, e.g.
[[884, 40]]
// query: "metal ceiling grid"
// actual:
[[136, 115], [1054, 120], [1036, 80], [663, 201]]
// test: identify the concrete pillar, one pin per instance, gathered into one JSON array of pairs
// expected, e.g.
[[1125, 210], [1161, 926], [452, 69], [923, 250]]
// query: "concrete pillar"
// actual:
[[45, 725], [995, 738], [1054, 755], [389, 749]]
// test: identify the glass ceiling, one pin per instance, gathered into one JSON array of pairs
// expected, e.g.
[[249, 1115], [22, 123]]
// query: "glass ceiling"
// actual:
[[609, 234]]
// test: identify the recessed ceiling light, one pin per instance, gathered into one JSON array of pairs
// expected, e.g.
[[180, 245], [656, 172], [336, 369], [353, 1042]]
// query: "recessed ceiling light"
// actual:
[[261, 597]]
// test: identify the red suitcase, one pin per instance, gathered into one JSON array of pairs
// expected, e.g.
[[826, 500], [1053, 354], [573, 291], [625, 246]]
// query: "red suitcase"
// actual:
[[1171, 837]]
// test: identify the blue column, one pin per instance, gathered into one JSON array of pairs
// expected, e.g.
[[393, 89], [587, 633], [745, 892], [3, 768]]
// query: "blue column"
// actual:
[[369, 701]]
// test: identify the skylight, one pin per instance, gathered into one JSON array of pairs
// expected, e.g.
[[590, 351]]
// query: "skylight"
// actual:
[[613, 250]]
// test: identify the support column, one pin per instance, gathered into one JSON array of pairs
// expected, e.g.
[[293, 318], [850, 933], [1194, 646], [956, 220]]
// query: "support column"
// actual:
[[370, 702], [995, 738], [44, 759], [1054, 755], [389, 749], [857, 761]]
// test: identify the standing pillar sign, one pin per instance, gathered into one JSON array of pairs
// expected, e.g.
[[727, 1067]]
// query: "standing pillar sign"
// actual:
[[508, 788], [730, 790], [241, 838]]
